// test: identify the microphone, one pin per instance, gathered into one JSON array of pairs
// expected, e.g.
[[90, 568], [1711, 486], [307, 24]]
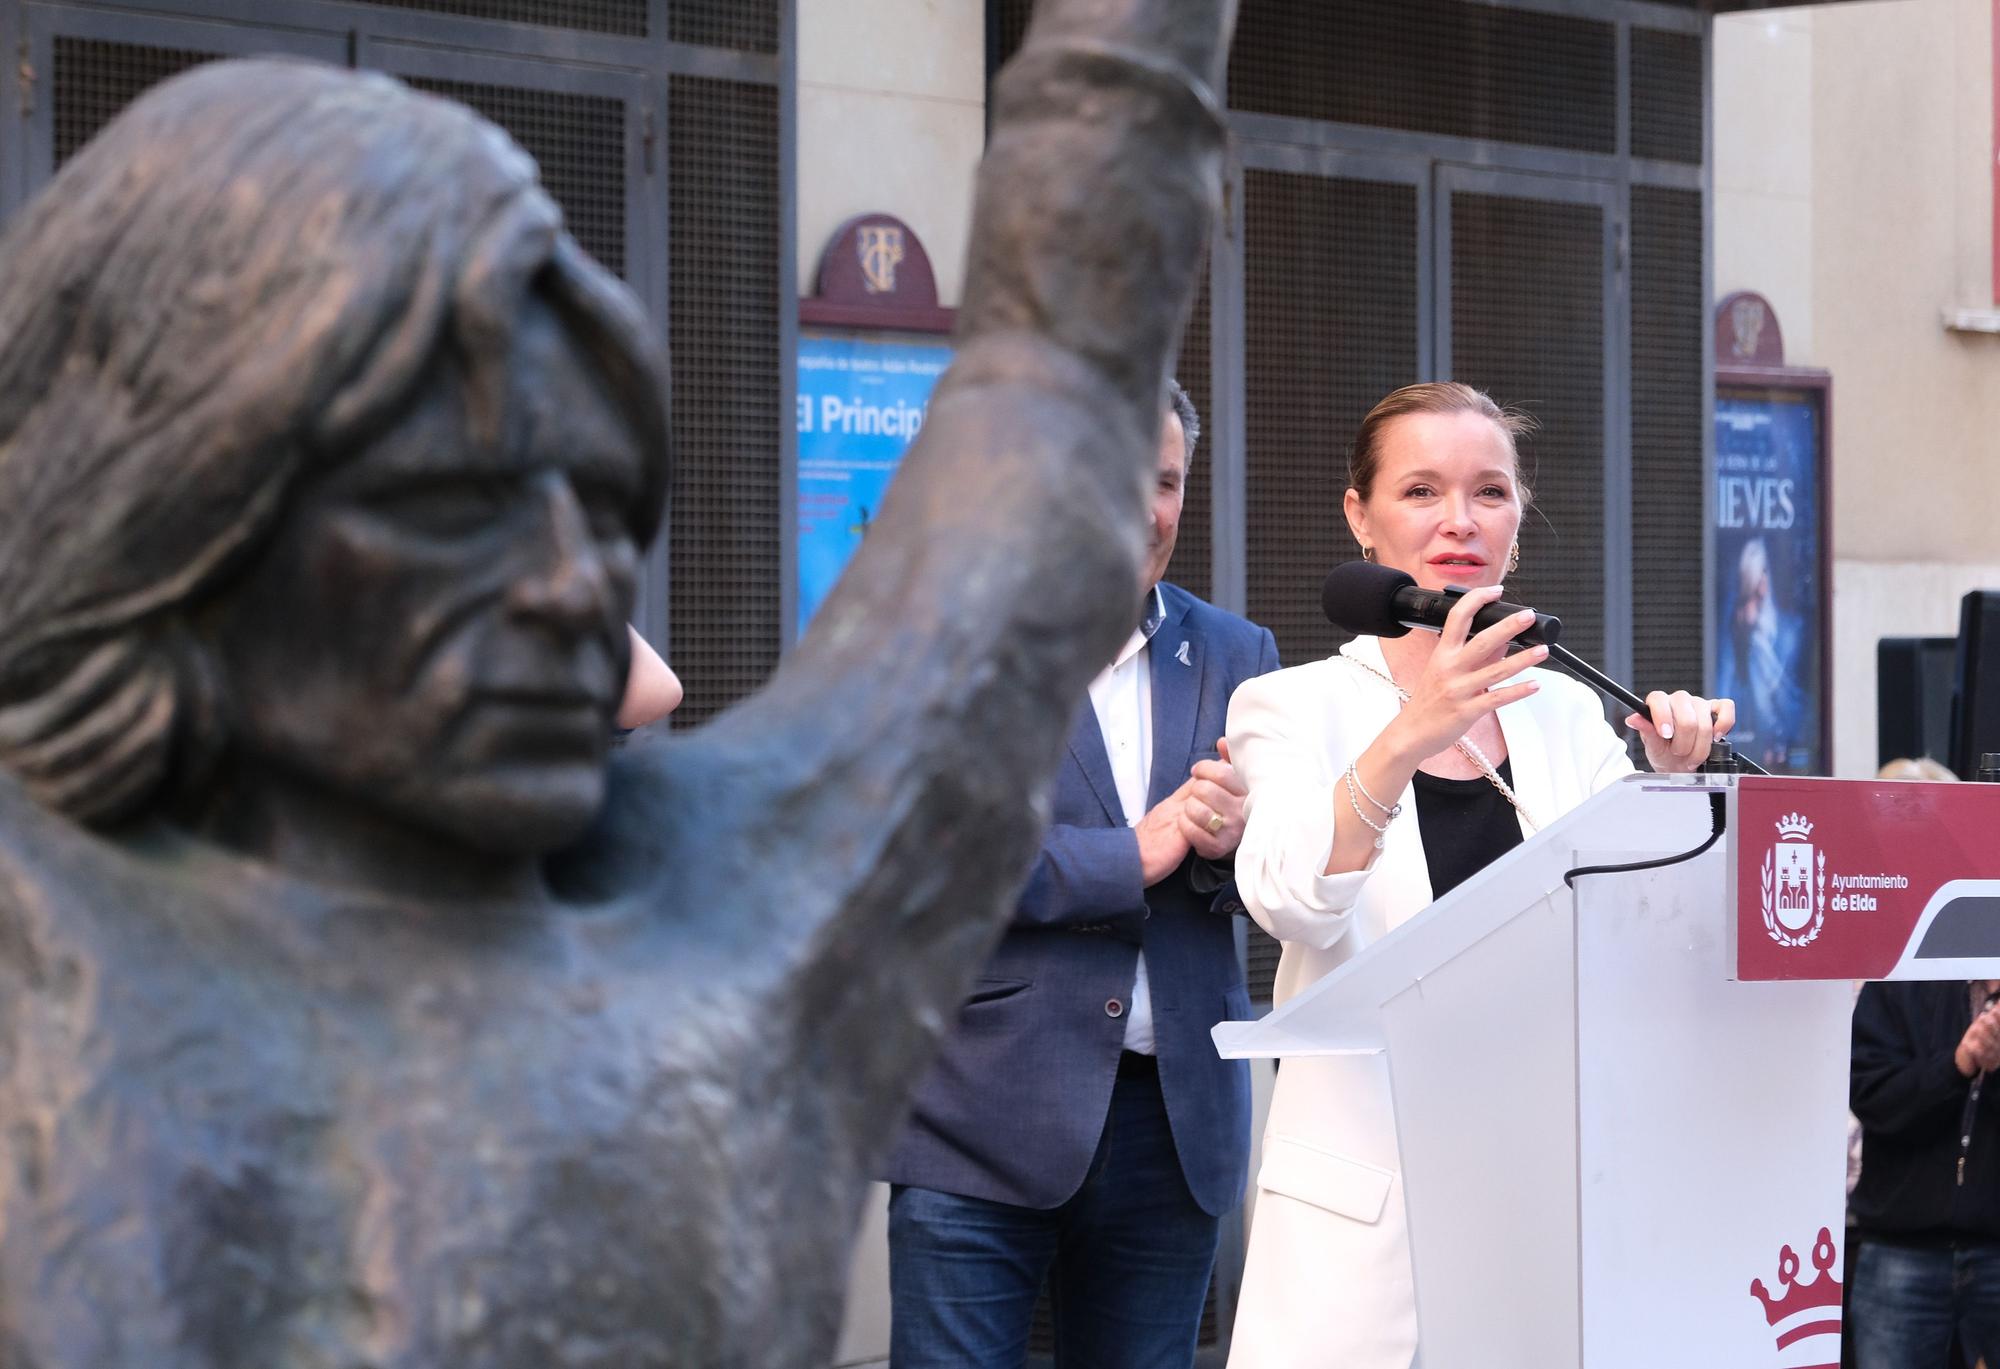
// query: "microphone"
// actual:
[[1362, 596]]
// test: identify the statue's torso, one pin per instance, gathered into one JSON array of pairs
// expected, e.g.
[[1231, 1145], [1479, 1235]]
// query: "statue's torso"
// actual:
[[249, 1126]]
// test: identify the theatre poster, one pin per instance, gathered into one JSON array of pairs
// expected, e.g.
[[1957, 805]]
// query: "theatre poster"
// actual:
[[1768, 618], [871, 348]]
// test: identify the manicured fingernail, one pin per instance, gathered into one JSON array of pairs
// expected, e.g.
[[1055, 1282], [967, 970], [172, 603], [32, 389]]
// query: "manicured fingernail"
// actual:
[[1526, 615], [1667, 731]]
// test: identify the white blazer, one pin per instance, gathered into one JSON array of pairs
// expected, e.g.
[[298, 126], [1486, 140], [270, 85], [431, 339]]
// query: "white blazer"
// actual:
[[1327, 1278]]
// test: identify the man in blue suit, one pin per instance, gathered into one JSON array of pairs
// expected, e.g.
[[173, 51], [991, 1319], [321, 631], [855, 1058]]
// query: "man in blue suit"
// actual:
[[1079, 1125]]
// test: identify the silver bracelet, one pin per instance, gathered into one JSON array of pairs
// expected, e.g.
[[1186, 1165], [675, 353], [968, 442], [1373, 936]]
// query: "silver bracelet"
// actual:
[[1381, 829], [1393, 813]]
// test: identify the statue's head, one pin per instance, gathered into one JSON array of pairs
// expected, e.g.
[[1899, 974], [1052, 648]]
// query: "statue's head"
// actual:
[[326, 459]]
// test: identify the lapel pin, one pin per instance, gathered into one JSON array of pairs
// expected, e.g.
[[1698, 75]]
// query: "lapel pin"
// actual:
[[1182, 656]]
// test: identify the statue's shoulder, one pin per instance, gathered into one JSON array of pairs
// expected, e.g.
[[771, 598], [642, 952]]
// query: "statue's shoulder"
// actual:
[[62, 882], [688, 819], [640, 841], [47, 876], [39, 850], [13, 888]]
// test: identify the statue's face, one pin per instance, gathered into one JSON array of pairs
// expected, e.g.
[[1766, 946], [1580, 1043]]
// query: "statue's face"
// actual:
[[438, 632]]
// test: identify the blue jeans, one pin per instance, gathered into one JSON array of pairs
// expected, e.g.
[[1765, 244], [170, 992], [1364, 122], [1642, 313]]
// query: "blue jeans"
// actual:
[[1904, 1303], [1127, 1260]]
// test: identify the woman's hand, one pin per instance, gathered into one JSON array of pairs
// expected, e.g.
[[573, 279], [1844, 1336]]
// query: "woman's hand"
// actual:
[[1682, 725], [1457, 687]]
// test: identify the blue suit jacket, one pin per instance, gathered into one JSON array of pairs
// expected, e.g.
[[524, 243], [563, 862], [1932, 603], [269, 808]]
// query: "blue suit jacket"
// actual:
[[1014, 1107]]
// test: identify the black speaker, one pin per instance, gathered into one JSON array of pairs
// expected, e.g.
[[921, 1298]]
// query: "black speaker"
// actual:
[[1914, 677], [1975, 705]]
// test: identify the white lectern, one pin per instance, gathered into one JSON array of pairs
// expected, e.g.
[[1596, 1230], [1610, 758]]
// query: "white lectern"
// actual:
[[1621, 1105]]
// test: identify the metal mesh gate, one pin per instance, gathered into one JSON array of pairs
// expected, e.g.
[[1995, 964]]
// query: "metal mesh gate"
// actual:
[[626, 18], [1330, 326], [93, 78], [579, 142], [1450, 67], [746, 25], [1668, 101], [1668, 314], [724, 554], [1527, 318]]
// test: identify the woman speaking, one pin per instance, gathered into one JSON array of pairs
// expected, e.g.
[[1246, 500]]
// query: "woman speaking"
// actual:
[[1380, 778]]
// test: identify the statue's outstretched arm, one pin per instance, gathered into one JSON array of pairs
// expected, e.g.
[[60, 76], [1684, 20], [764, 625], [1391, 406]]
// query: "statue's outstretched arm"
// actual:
[[889, 781]]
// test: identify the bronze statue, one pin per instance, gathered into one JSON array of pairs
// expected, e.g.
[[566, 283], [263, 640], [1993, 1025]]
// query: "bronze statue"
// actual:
[[355, 1010]]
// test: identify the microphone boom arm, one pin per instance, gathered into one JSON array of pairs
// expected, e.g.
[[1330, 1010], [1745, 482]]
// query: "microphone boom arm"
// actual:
[[1604, 684], [1595, 678]]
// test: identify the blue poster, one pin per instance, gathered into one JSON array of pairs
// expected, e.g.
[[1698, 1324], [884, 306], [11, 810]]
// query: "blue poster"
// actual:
[[1767, 620], [861, 401]]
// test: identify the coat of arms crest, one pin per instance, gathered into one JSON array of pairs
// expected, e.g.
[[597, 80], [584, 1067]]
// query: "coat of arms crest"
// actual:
[[1794, 884]]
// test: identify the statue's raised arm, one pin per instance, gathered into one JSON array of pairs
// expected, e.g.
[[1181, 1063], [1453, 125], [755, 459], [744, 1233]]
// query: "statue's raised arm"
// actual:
[[909, 738]]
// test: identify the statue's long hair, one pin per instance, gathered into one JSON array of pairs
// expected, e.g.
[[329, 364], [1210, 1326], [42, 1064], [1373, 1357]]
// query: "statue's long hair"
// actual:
[[247, 275]]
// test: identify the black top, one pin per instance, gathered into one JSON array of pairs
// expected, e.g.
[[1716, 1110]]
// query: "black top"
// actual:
[[1914, 1105], [1466, 826]]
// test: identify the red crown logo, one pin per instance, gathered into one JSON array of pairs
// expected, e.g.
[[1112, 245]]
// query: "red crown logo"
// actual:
[[1809, 1309]]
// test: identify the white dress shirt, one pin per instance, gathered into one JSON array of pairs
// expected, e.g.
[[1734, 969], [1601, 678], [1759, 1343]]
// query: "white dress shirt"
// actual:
[[1122, 698]]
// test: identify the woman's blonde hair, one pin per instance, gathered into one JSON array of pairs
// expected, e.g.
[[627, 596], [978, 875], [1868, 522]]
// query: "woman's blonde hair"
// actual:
[[1431, 397]]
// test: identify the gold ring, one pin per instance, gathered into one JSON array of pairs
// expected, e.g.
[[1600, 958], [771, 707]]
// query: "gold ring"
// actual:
[[1214, 823]]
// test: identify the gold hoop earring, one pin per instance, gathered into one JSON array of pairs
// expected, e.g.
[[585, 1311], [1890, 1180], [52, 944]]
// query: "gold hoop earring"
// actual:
[[1367, 552], [1514, 558]]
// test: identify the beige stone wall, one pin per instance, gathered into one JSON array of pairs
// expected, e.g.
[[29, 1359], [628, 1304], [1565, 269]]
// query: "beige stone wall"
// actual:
[[1763, 165], [892, 118], [1902, 113], [1853, 186]]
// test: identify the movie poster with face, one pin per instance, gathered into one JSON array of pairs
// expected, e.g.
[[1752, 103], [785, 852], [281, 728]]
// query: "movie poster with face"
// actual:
[[1767, 621], [862, 398]]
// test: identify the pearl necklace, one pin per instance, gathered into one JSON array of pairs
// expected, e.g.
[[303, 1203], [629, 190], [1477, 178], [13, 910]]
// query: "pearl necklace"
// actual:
[[1466, 748]]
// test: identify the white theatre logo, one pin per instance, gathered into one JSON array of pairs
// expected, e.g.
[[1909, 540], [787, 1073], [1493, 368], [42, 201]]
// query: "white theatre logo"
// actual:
[[1794, 884]]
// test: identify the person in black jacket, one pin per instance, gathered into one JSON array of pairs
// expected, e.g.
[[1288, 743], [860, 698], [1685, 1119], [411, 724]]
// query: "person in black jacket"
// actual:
[[1926, 1258]]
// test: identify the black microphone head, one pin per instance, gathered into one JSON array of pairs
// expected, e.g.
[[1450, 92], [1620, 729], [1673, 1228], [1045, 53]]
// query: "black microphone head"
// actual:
[[1360, 596]]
